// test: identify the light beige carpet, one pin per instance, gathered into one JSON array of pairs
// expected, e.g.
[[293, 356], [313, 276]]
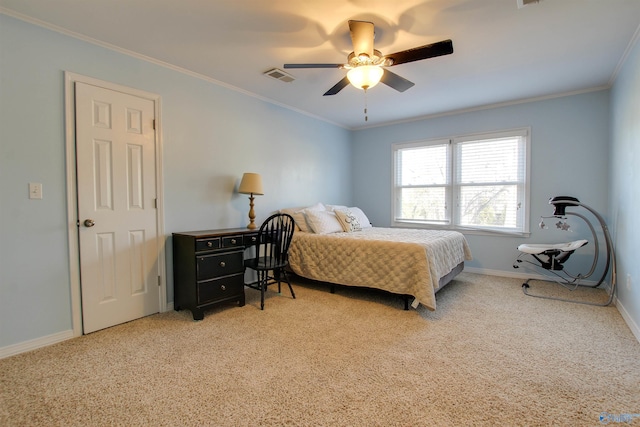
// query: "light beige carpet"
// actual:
[[488, 356]]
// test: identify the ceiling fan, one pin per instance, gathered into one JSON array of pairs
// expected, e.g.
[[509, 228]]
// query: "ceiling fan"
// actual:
[[365, 64]]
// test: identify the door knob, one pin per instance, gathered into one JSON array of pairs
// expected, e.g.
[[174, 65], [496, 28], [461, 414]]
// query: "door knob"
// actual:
[[89, 223]]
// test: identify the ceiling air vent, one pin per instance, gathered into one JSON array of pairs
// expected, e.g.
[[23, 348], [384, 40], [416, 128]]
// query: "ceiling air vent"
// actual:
[[279, 75], [523, 3]]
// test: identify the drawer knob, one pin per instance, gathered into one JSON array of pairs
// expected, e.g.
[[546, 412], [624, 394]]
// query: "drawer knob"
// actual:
[[222, 264], [223, 287], [233, 241], [209, 244], [253, 239]]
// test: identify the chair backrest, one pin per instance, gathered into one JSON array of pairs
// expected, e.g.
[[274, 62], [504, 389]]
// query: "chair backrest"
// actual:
[[274, 239]]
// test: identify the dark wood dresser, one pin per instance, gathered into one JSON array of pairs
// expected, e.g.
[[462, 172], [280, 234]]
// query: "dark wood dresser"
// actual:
[[208, 268]]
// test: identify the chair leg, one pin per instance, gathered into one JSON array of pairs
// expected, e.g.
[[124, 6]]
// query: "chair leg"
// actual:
[[263, 287], [279, 284], [286, 277], [276, 277]]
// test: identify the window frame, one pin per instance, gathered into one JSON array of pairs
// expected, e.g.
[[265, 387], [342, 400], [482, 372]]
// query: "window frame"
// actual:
[[453, 186]]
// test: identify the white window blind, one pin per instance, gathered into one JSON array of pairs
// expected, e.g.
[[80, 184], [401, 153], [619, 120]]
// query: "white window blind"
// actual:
[[475, 182], [423, 177]]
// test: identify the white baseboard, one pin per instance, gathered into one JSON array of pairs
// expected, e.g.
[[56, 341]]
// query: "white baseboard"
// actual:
[[523, 274], [635, 330], [25, 346], [501, 273]]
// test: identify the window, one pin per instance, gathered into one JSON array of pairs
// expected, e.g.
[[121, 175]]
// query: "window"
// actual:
[[473, 182]]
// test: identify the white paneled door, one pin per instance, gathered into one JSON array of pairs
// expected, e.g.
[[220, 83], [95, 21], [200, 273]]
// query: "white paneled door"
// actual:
[[115, 156]]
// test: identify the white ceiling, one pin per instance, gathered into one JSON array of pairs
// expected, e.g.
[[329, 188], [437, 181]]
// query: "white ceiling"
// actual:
[[502, 53]]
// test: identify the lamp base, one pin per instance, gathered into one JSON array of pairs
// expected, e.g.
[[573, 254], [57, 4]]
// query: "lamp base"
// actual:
[[252, 214]]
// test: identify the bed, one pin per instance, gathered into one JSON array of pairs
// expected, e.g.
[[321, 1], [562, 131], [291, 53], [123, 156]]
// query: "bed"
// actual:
[[410, 262]]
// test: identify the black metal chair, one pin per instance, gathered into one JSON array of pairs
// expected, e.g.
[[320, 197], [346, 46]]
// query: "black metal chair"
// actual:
[[271, 254]]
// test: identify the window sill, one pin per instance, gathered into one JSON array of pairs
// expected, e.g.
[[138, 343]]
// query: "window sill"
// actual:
[[463, 230]]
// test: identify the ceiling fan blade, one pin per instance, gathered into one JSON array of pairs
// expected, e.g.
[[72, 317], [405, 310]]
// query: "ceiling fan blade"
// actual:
[[362, 33], [338, 87], [444, 47], [395, 81], [313, 65]]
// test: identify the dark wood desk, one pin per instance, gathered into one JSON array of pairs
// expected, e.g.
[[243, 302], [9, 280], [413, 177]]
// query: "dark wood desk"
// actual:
[[208, 268]]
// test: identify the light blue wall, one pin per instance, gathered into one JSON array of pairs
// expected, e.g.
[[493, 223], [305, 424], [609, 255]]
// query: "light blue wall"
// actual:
[[569, 152], [211, 135], [624, 189]]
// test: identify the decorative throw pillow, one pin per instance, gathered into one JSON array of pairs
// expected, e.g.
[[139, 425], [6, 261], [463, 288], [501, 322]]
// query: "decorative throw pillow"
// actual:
[[362, 218], [322, 222], [299, 218], [348, 221]]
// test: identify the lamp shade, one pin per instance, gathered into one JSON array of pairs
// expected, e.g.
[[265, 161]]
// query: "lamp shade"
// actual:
[[365, 76], [251, 184]]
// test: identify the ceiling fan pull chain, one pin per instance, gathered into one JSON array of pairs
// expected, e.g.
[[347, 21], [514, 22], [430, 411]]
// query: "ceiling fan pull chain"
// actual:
[[366, 118]]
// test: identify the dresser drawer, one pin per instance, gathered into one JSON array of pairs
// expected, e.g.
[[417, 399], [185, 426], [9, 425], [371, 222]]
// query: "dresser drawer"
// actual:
[[250, 239], [232, 241], [220, 289], [219, 264], [207, 244]]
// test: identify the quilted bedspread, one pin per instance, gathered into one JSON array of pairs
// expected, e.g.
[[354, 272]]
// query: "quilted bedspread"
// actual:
[[397, 260]]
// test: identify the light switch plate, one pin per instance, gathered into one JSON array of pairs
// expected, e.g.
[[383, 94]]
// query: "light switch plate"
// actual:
[[35, 190]]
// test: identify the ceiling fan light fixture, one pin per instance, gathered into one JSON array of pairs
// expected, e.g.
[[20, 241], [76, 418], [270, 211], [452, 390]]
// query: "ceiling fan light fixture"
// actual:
[[365, 76]]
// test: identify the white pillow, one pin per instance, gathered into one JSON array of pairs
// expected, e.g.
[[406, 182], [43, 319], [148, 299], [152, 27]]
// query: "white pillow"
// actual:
[[298, 215], [362, 218], [322, 222], [336, 207], [348, 221]]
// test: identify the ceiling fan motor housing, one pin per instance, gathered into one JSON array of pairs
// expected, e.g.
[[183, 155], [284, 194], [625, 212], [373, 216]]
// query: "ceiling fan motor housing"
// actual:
[[363, 59]]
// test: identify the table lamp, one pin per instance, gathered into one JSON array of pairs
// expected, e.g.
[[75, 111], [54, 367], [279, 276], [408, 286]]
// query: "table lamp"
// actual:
[[251, 184]]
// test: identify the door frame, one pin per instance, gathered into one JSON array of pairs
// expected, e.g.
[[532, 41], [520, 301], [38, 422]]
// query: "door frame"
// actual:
[[72, 191]]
